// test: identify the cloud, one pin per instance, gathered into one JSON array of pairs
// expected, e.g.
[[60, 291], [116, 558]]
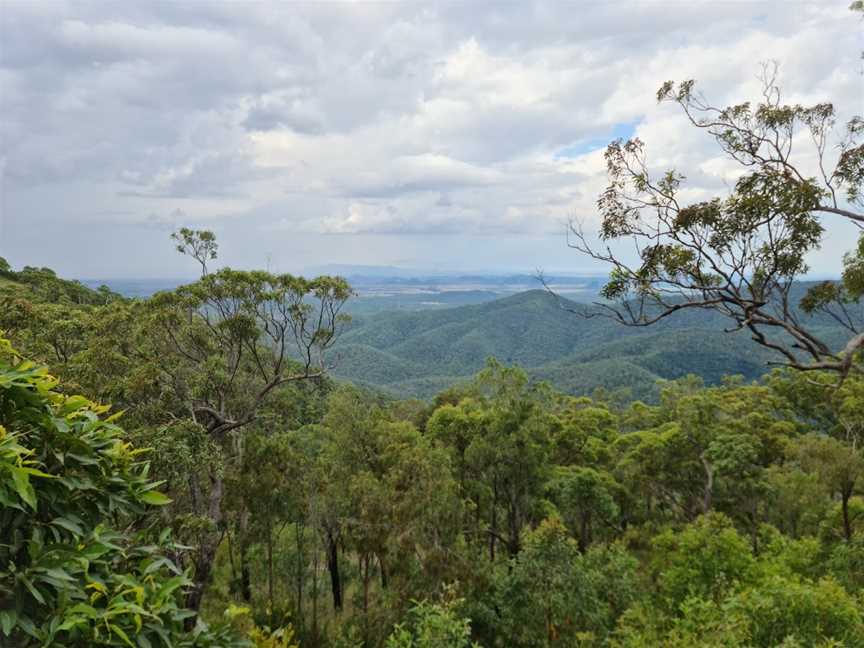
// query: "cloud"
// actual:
[[394, 119]]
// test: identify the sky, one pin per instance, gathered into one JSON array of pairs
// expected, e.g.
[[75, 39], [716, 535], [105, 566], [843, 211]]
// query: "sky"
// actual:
[[452, 135]]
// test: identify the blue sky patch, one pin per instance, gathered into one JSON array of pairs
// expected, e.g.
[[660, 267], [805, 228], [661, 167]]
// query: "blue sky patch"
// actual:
[[624, 131]]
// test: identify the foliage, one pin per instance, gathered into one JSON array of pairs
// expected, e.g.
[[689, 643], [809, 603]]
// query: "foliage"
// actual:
[[554, 594], [66, 478], [432, 625], [739, 255]]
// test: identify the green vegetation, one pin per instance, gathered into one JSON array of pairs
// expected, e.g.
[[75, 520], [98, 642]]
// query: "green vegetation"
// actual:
[[251, 500], [740, 255], [504, 513], [80, 565], [418, 354]]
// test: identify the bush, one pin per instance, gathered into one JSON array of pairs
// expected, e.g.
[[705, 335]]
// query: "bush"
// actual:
[[68, 481]]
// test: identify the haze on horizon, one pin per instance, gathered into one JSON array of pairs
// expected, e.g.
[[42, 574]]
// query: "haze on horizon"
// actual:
[[440, 136]]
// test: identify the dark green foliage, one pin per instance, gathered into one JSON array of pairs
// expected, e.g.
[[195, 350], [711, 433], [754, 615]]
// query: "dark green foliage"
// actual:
[[69, 485], [421, 353]]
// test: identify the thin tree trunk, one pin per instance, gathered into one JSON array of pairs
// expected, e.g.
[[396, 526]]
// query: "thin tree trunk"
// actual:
[[333, 567], [364, 569], [315, 597], [494, 533], [270, 570], [708, 494], [365, 561], [754, 527], [206, 553], [245, 571], [845, 496], [383, 572], [513, 529], [231, 559], [584, 531], [298, 533]]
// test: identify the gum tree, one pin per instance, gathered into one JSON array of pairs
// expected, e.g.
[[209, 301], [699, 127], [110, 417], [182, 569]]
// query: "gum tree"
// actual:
[[741, 254], [221, 349]]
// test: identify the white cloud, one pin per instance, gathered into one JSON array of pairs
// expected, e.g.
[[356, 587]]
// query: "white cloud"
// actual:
[[388, 119]]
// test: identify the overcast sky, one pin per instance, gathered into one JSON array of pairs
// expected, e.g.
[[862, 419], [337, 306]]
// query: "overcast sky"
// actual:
[[432, 135]]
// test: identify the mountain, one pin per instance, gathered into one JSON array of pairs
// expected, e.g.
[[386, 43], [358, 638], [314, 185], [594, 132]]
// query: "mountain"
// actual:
[[417, 354]]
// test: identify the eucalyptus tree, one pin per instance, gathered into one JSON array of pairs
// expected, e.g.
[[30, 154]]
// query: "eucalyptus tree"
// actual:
[[838, 467], [586, 499], [555, 595], [396, 498], [508, 452], [222, 348], [740, 254]]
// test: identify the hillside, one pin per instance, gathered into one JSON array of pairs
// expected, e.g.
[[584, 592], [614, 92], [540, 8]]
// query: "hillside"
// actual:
[[43, 285], [419, 353]]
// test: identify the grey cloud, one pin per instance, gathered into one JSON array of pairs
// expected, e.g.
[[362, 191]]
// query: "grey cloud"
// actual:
[[363, 118]]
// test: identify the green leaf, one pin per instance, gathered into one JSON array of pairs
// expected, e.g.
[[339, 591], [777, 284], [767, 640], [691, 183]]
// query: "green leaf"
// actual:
[[38, 473], [28, 626], [23, 486], [35, 592], [7, 621], [155, 498], [59, 574], [120, 633], [69, 525], [73, 404]]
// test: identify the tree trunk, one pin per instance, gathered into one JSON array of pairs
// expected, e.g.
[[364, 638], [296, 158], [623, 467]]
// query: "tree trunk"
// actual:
[[270, 571], [298, 533], [245, 572], [231, 559], [365, 562], [845, 496], [584, 531], [203, 568], [333, 567], [207, 547], [364, 570], [708, 494], [494, 534], [383, 572], [754, 525], [315, 596], [513, 529]]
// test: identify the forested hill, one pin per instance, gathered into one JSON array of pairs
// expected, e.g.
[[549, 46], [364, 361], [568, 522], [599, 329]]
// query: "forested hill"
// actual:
[[420, 353]]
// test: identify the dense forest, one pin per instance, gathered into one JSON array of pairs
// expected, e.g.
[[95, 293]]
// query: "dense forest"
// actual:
[[184, 470], [418, 354], [502, 512]]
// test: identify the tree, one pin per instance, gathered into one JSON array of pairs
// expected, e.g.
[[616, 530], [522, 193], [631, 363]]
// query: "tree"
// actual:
[[508, 456], [200, 245], [223, 347], [707, 559], [585, 496], [739, 255], [837, 466], [554, 595], [395, 493], [69, 485]]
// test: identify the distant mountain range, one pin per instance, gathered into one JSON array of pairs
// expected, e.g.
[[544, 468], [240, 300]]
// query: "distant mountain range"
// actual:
[[414, 336], [418, 354], [405, 290]]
